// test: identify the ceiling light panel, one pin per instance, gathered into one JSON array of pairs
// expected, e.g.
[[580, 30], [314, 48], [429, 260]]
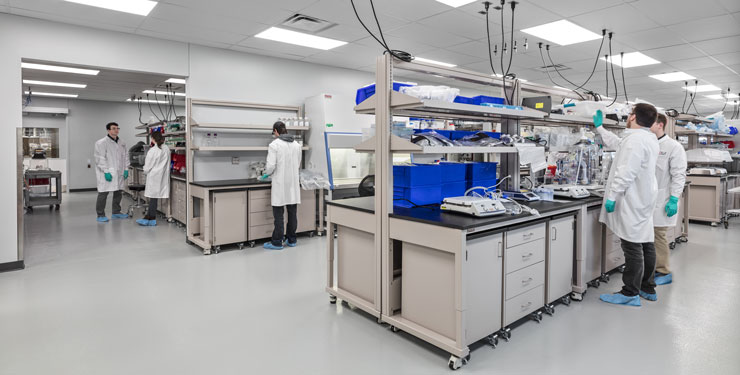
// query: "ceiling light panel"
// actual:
[[176, 80], [51, 94], [163, 93], [631, 60], [702, 88], [673, 77], [300, 39], [562, 32], [149, 101], [56, 84], [63, 69], [447, 65], [455, 3], [723, 96], [139, 7]]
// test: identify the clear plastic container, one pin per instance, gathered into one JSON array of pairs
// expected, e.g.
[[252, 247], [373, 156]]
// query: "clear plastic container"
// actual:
[[208, 141]]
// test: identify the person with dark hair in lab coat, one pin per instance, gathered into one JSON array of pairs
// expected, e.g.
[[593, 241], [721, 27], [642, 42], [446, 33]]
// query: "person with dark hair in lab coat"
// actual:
[[111, 171], [157, 169]]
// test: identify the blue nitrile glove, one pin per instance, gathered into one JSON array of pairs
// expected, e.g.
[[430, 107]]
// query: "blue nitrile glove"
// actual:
[[598, 118], [108, 177], [609, 205], [264, 177], [125, 175], [671, 208]]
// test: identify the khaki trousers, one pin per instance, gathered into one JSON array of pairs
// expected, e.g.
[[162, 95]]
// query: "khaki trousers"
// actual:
[[662, 252]]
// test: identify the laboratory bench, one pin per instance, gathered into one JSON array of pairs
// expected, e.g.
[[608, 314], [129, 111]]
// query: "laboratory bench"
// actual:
[[173, 208], [239, 211], [450, 279]]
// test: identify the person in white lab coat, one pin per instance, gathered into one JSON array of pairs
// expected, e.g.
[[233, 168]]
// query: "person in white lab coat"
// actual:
[[671, 174], [629, 200], [111, 170], [157, 169], [283, 163]]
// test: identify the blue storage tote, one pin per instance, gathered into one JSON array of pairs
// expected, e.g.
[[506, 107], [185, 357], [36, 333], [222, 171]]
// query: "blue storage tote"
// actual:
[[453, 189], [460, 134], [369, 90], [453, 172], [480, 99], [481, 183], [416, 175], [479, 171], [419, 195], [463, 99]]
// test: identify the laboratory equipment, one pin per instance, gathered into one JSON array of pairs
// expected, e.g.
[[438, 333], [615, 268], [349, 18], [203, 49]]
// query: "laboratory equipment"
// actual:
[[522, 195], [137, 154], [569, 191], [540, 103], [475, 206]]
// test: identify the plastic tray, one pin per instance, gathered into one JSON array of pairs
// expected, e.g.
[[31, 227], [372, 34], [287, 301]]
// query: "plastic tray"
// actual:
[[419, 195], [365, 92]]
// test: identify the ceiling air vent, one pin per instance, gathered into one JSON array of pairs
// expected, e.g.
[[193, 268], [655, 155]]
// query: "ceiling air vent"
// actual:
[[549, 68], [300, 22]]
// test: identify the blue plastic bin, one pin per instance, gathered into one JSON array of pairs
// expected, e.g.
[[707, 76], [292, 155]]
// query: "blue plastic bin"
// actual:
[[369, 90], [482, 183], [463, 99], [460, 134], [445, 133], [419, 195], [493, 135], [453, 189], [453, 172], [416, 175], [480, 171], [480, 99]]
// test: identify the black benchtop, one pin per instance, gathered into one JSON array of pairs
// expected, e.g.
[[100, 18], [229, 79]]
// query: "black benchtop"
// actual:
[[434, 216], [222, 183]]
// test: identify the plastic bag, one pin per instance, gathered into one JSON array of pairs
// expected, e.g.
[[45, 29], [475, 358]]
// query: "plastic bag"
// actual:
[[432, 138], [313, 181], [443, 93], [481, 139]]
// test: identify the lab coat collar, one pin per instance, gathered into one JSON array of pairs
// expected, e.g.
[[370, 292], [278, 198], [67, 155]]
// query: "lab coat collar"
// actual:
[[112, 139]]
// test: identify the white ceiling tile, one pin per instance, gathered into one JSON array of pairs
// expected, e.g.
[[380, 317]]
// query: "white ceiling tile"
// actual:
[[292, 5], [402, 44], [449, 57], [73, 20], [525, 15], [207, 20], [340, 12], [570, 8], [270, 45], [462, 24], [649, 39], [694, 64], [4, 9], [410, 10], [621, 19], [190, 30], [424, 34], [181, 38], [677, 12], [720, 45], [263, 52], [344, 33], [730, 5], [338, 60], [708, 28], [668, 54], [729, 58], [59, 10], [367, 53], [244, 10], [712, 72], [475, 48]]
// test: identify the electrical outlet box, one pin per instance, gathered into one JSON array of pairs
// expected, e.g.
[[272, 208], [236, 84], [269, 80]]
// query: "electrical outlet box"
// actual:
[[235, 160]]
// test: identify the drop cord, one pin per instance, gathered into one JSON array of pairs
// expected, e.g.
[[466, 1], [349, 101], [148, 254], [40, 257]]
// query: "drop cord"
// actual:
[[159, 106], [488, 36], [624, 83], [614, 79], [685, 95], [550, 77], [693, 96], [151, 109]]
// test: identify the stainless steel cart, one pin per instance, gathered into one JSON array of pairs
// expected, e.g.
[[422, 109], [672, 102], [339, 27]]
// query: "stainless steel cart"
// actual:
[[42, 188]]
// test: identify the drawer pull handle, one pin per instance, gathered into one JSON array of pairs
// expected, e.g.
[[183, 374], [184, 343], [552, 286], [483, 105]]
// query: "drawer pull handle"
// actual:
[[528, 235], [525, 256], [524, 307], [527, 281]]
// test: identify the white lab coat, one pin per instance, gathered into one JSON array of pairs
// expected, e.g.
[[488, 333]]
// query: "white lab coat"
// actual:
[[157, 169], [110, 157], [632, 185], [670, 172], [283, 163]]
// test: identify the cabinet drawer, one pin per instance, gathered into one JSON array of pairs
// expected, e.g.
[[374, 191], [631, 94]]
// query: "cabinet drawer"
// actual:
[[613, 243], [525, 280], [260, 231], [524, 235], [613, 260], [259, 193], [524, 255], [523, 304], [261, 218], [260, 205]]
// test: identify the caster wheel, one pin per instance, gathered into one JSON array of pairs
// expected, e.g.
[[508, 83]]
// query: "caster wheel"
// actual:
[[251, 244], [170, 220], [454, 363], [578, 297], [311, 234], [29, 210], [549, 309], [536, 316], [240, 246], [188, 242], [493, 340], [566, 300], [217, 249], [604, 278], [56, 207], [727, 224], [394, 329], [351, 306], [505, 333], [620, 269], [333, 299], [594, 284], [672, 245], [51, 208]]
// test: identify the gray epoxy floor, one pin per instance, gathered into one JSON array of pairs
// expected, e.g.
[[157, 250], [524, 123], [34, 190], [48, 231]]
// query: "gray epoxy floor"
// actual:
[[117, 298]]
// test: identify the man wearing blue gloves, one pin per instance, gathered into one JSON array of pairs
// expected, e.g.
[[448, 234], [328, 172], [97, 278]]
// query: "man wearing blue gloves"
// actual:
[[671, 174], [283, 164], [629, 199], [111, 169]]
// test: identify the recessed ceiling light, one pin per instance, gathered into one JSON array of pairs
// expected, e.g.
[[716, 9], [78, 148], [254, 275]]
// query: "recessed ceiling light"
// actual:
[[140, 7], [163, 93], [455, 3], [561, 87], [63, 69], [51, 94], [631, 60], [702, 88], [723, 96], [672, 77], [562, 32], [447, 65], [176, 80], [301, 39], [149, 101], [58, 84]]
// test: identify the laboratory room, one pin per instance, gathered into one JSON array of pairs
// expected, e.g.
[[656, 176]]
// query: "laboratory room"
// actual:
[[369, 187]]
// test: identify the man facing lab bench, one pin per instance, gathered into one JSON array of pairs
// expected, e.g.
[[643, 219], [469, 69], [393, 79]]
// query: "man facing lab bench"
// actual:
[[629, 201]]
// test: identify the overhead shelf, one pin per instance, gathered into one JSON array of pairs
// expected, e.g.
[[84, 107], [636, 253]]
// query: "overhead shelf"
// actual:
[[142, 135], [175, 134], [234, 148], [406, 105], [245, 126], [569, 120], [681, 132], [692, 118], [400, 145]]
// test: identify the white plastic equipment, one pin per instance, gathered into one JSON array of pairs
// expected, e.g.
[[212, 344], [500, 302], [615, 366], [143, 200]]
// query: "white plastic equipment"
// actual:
[[569, 191], [474, 206]]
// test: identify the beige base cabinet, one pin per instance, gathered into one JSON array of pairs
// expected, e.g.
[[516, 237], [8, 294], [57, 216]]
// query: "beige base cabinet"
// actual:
[[524, 270], [229, 217], [178, 199], [261, 220], [560, 246]]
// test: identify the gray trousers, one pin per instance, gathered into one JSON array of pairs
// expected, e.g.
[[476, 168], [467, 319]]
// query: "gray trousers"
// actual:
[[103, 198]]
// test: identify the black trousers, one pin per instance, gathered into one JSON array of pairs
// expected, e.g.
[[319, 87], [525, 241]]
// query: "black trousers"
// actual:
[[152, 209], [278, 233], [639, 268], [103, 197]]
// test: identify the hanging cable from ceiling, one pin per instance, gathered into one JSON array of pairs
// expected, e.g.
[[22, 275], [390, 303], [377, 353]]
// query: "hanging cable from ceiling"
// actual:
[[685, 95], [486, 5], [593, 70], [624, 82], [606, 72], [149, 102], [401, 55], [693, 95], [544, 64], [614, 79]]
